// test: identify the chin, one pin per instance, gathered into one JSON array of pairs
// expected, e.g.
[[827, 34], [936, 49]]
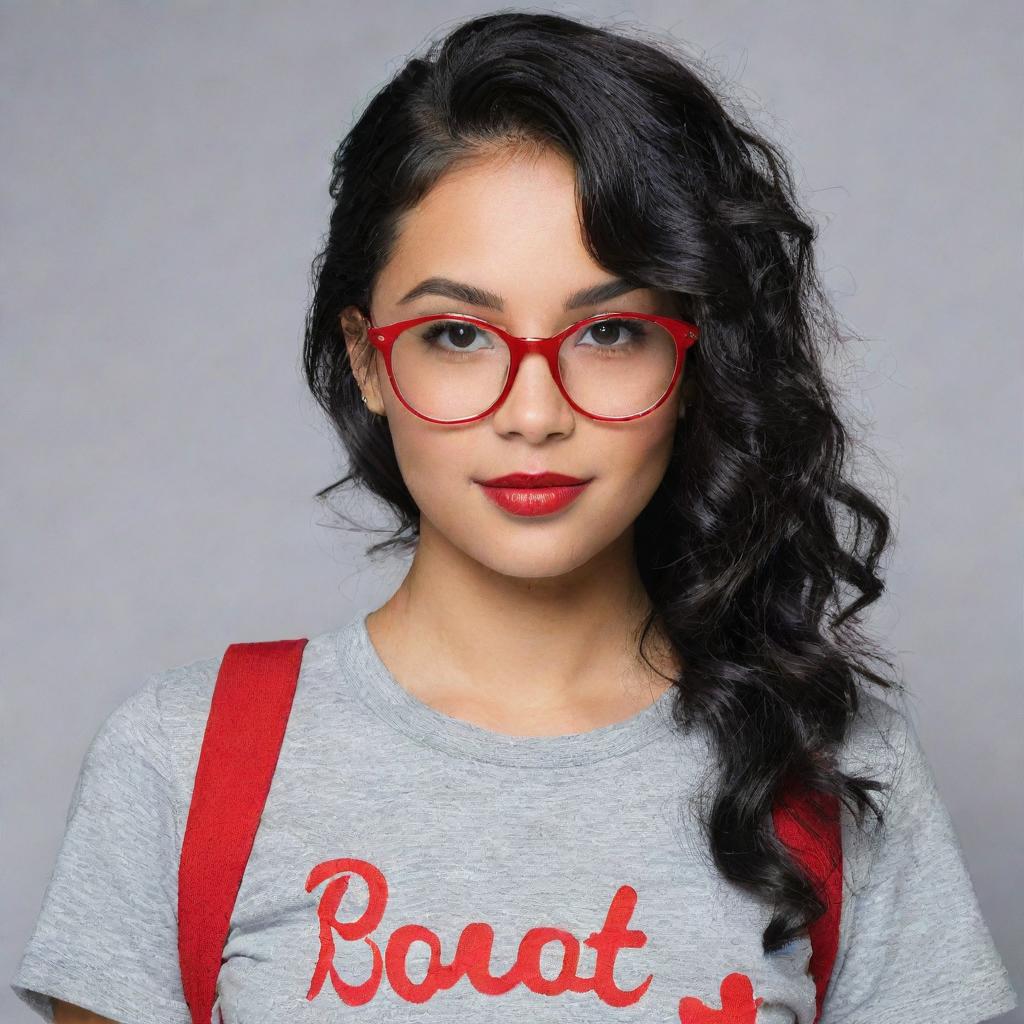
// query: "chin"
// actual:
[[533, 557]]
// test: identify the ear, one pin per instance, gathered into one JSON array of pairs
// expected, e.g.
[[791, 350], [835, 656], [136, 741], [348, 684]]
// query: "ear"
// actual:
[[687, 392], [362, 357]]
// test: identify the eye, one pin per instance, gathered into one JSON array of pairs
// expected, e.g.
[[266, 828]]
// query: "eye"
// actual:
[[612, 334], [456, 336]]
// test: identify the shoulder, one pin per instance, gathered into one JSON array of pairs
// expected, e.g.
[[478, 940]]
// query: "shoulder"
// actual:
[[913, 938], [883, 745], [164, 719], [154, 732], [882, 735]]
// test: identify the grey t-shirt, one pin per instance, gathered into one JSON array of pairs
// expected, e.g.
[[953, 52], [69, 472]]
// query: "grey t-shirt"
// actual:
[[567, 872]]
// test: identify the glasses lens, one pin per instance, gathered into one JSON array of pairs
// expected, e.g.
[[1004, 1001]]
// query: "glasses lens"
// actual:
[[449, 369], [618, 367], [452, 369]]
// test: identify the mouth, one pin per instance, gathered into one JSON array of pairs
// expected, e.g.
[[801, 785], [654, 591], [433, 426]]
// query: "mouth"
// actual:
[[533, 494], [533, 480]]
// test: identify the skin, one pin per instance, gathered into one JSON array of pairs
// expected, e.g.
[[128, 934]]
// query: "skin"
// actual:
[[527, 625], [67, 1013]]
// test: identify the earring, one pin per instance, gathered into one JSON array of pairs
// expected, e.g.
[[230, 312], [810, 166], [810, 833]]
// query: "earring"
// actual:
[[364, 399]]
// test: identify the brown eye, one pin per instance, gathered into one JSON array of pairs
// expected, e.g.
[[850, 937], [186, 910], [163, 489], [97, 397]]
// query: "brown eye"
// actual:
[[612, 333], [455, 336]]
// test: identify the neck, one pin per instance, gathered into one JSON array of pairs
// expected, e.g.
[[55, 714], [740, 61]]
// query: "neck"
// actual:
[[526, 653]]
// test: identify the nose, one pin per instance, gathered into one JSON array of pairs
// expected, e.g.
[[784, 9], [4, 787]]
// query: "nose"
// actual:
[[534, 407]]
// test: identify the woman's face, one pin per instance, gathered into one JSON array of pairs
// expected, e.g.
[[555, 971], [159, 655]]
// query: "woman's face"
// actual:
[[508, 224]]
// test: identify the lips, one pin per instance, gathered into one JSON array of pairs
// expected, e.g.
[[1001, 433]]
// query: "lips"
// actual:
[[533, 494], [533, 480]]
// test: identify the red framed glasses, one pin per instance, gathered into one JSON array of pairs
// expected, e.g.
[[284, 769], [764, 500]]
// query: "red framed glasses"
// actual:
[[456, 368]]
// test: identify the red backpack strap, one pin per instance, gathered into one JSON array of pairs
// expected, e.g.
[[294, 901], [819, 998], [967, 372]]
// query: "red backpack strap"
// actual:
[[810, 826], [249, 710]]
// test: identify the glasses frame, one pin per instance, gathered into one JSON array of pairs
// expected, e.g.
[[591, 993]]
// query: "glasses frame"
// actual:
[[383, 338]]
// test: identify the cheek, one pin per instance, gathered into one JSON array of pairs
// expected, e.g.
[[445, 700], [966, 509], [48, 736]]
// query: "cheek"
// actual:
[[434, 460], [632, 461]]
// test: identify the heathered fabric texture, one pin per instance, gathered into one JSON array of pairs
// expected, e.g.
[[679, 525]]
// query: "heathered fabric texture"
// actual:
[[570, 866]]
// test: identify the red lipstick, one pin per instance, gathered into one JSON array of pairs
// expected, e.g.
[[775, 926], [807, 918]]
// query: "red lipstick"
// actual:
[[533, 494]]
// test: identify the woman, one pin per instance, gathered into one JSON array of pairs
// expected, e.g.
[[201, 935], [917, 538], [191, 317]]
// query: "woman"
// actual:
[[537, 783]]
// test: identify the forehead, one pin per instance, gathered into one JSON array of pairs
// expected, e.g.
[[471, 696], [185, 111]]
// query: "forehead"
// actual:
[[507, 223]]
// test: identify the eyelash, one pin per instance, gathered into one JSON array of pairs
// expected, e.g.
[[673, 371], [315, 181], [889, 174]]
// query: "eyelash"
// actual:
[[435, 329]]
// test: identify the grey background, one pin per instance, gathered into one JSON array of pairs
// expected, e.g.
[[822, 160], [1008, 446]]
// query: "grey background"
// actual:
[[164, 189]]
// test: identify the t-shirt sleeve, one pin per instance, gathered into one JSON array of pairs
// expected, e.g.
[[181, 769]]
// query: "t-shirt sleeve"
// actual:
[[106, 935], [917, 947]]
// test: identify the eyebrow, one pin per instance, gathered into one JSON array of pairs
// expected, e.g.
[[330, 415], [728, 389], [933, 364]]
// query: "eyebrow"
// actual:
[[468, 293]]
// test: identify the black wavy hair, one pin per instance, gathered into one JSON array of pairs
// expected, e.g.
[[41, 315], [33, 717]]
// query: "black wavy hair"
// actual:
[[757, 551]]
